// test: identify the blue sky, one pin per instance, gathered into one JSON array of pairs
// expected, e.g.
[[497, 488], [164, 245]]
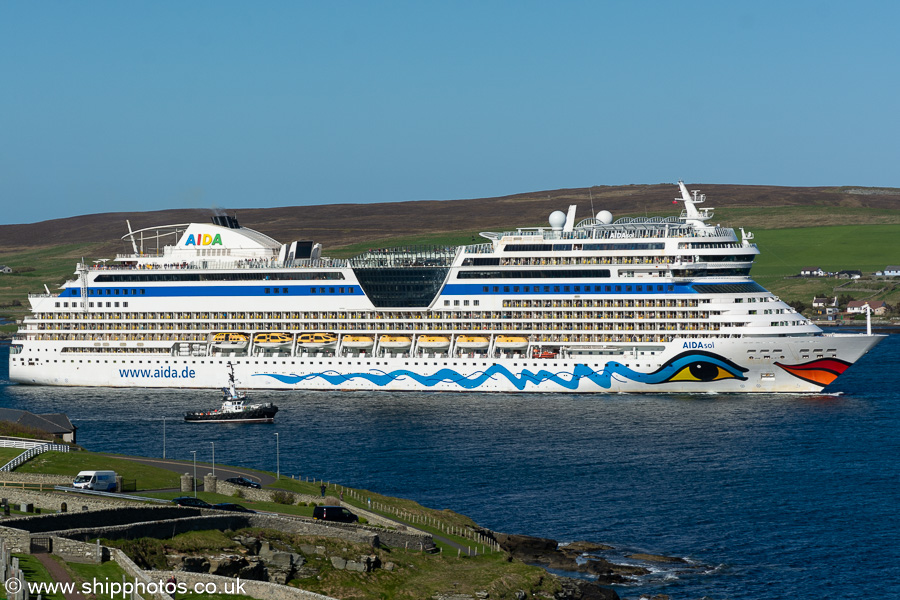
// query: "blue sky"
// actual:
[[138, 106]]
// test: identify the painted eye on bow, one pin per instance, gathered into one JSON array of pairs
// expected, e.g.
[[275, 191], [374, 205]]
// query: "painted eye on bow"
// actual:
[[700, 366]]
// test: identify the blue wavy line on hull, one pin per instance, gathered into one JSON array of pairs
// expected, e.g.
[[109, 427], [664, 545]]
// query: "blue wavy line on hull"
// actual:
[[602, 378]]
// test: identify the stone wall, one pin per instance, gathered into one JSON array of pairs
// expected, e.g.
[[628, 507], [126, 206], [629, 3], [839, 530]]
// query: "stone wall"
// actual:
[[162, 529], [54, 500], [17, 540], [75, 551], [108, 517], [256, 589], [372, 536], [36, 478], [138, 575]]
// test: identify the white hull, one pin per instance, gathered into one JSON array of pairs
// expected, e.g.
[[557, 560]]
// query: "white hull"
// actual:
[[622, 373]]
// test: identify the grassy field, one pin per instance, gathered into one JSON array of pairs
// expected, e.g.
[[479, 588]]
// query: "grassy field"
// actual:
[[70, 463]]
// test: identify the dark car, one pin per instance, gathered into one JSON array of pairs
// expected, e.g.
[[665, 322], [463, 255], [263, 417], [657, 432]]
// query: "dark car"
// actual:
[[232, 507], [243, 481], [191, 501], [334, 513]]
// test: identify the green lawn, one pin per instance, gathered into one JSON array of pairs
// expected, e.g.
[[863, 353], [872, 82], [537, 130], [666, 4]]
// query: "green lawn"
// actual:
[[866, 248], [35, 572], [70, 463]]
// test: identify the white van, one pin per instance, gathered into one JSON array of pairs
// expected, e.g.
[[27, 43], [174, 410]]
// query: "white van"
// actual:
[[103, 481]]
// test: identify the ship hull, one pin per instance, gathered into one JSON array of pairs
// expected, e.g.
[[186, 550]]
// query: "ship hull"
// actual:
[[744, 365]]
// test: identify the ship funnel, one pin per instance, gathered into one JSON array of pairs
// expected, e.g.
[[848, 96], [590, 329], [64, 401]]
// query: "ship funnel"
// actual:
[[226, 221]]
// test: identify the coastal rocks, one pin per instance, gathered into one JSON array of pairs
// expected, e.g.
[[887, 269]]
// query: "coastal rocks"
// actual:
[[579, 589], [547, 553], [579, 548], [523, 547]]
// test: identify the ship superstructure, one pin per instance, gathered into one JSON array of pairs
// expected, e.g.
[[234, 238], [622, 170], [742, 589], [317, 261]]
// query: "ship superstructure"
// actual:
[[632, 305]]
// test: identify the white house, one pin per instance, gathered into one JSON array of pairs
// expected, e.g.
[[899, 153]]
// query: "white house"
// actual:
[[859, 306], [5, 269], [813, 272], [892, 271]]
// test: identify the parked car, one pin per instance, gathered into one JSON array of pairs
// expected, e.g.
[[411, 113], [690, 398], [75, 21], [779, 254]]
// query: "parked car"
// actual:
[[334, 513], [191, 501], [232, 507], [243, 481]]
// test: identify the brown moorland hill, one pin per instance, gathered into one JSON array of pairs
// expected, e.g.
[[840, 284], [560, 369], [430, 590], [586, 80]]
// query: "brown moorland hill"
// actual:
[[336, 225]]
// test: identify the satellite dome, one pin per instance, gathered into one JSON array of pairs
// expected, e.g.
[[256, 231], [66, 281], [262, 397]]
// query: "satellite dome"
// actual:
[[557, 220], [605, 217]]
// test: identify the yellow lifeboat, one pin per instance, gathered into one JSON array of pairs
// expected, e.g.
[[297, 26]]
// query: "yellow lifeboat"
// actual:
[[395, 342], [272, 340], [318, 339], [472, 342], [358, 341], [434, 342], [230, 340], [511, 342]]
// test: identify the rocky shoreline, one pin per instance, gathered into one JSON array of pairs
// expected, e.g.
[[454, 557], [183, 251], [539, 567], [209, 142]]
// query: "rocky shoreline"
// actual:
[[580, 559]]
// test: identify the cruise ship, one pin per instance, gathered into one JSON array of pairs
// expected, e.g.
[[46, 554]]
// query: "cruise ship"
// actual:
[[651, 304]]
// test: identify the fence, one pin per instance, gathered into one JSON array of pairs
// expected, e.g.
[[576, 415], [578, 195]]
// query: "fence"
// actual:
[[31, 453]]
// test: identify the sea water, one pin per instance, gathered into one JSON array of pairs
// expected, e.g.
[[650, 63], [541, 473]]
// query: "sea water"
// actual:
[[766, 496]]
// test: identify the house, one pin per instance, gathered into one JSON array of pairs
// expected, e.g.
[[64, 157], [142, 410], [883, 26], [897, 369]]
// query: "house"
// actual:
[[849, 274], [824, 302], [5, 269], [892, 271], [812, 272], [826, 307], [56, 424], [859, 307]]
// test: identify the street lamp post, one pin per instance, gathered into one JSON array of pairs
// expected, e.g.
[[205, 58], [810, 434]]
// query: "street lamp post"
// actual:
[[214, 458], [277, 458], [194, 452]]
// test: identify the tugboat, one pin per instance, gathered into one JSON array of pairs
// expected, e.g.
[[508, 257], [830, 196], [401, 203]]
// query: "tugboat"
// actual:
[[234, 408]]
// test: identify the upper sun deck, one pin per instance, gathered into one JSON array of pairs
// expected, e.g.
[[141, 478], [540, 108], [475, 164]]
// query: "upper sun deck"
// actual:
[[690, 224]]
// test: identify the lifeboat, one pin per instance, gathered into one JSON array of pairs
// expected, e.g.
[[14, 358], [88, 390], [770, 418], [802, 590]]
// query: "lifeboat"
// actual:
[[472, 342], [395, 342], [230, 341], [543, 354], [314, 341], [511, 342], [272, 340], [358, 342], [434, 342]]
